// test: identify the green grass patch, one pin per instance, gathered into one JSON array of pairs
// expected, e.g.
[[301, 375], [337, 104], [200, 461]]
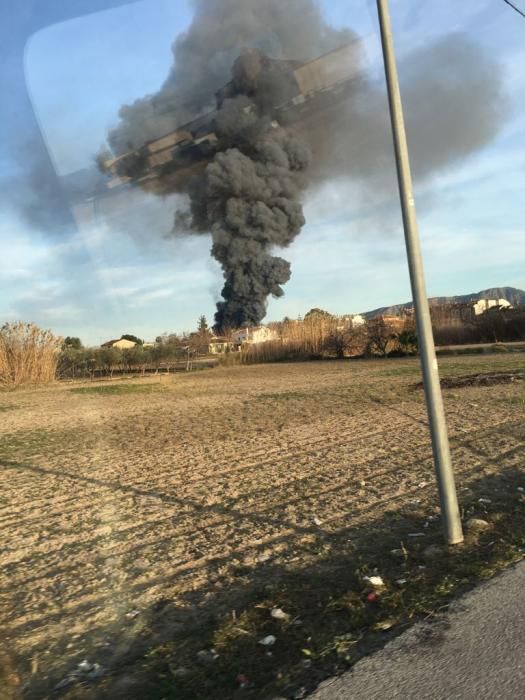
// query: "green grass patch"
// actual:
[[499, 363], [409, 371], [118, 389], [511, 401], [8, 407]]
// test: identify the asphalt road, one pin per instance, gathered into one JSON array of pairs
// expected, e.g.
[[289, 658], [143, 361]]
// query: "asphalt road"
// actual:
[[475, 652]]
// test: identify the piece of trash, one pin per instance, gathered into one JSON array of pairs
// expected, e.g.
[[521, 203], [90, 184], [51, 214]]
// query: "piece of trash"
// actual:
[[85, 666], [306, 663], [297, 622], [401, 581], [242, 680], [316, 520], [416, 534], [85, 670], [375, 581], [476, 524], [371, 597], [484, 500], [422, 484], [520, 488], [132, 614], [279, 614], [96, 672], [384, 625], [180, 672], [268, 641], [207, 656]]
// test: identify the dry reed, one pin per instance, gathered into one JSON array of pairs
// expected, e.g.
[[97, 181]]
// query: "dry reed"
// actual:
[[28, 355], [312, 338]]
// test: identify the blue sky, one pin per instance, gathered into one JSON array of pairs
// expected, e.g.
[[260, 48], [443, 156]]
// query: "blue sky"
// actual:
[[104, 280]]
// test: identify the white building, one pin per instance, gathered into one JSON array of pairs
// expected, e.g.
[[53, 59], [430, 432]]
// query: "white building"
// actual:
[[349, 321], [258, 334], [122, 343], [483, 305], [219, 345]]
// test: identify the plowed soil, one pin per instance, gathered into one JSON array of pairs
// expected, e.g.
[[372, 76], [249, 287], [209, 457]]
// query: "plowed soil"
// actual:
[[130, 517]]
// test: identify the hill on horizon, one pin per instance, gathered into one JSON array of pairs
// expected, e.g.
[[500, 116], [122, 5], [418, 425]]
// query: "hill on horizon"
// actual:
[[514, 296]]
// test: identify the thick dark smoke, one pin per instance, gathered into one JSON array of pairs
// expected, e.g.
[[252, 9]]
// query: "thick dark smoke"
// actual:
[[249, 196], [204, 55]]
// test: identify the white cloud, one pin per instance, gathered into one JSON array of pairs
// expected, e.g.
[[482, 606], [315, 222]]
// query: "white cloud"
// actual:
[[101, 279]]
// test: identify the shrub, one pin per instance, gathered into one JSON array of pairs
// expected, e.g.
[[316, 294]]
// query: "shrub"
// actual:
[[75, 363], [229, 359], [408, 342], [72, 342]]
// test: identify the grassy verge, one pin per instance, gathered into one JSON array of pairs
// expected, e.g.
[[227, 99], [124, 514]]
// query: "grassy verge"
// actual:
[[117, 389]]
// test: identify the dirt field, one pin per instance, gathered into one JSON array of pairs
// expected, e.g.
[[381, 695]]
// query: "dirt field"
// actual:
[[167, 516]]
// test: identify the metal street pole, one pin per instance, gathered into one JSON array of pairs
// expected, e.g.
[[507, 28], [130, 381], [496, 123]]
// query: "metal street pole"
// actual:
[[434, 399]]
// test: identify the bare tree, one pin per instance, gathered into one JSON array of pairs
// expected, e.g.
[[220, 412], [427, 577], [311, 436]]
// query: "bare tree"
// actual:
[[491, 325], [380, 335], [338, 341]]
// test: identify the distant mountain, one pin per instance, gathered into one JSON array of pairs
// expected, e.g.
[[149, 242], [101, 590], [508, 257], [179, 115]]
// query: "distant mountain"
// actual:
[[515, 296]]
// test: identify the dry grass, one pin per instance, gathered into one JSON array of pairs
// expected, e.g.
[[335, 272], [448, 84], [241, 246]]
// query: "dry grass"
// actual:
[[312, 338], [28, 355], [141, 528]]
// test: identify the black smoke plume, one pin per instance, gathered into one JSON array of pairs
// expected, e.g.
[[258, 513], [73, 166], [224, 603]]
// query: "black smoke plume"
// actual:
[[204, 56], [249, 196]]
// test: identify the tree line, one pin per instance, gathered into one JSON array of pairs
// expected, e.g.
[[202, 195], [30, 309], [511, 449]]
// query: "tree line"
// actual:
[[30, 355]]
